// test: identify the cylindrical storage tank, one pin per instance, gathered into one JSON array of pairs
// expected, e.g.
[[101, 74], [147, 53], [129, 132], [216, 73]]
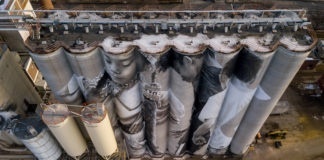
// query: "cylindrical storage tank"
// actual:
[[64, 128], [155, 82], [186, 59], [250, 67], [36, 137], [279, 74], [89, 71], [217, 69], [96, 121], [123, 65], [59, 76]]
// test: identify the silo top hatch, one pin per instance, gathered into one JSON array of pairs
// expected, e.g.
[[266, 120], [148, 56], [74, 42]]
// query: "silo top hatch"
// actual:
[[93, 113], [28, 128], [55, 113]]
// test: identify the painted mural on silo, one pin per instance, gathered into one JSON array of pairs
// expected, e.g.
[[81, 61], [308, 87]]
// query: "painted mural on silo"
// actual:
[[249, 69], [123, 64], [216, 71], [185, 62], [90, 74], [59, 76], [279, 74], [155, 90], [172, 94]]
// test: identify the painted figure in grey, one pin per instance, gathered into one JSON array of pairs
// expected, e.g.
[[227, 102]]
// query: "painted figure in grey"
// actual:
[[155, 83], [282, 69], [124, 85], [215, 74], [248, 72], [185, 71]]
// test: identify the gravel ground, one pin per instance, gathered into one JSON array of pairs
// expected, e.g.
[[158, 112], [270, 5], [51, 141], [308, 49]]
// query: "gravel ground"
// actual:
[[304, 122]]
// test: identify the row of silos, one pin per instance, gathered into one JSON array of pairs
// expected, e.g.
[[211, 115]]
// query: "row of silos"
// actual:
[[282, 69], [95, 119], [249, 70], [59, 76], [72, 76], [37, 137], [217, 70], [193, 91]]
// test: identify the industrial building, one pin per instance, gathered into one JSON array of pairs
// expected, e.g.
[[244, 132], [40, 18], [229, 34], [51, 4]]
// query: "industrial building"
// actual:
[[164, 79]]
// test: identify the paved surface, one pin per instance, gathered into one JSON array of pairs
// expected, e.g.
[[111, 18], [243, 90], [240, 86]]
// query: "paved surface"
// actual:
[[304, 122]]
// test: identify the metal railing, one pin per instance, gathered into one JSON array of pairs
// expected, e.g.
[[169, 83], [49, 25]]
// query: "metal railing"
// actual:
[[164, 18]]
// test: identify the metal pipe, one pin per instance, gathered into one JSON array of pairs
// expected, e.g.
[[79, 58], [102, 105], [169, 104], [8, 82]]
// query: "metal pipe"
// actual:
[[15, 156], [5, 147], [166, 11]]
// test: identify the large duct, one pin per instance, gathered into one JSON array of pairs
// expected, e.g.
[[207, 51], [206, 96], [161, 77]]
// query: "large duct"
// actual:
[[155, 83], [35, 136], [65, 130], [185, 65], [89, 71], [216, 72], [96, 121], [281, 71], [249, 70], [59, 76]]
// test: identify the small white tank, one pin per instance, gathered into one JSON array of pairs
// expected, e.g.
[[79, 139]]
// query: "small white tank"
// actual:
[[64, 128], [96, 121], [35, 136]]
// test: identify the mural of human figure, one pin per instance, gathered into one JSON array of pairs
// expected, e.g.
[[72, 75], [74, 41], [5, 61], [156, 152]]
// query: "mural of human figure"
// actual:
[[156, 109], [184, 72], [215, 74], [248, 72], [155, 89], [123, 68]]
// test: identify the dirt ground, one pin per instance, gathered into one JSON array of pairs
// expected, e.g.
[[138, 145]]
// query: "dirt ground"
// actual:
[[304, 122]]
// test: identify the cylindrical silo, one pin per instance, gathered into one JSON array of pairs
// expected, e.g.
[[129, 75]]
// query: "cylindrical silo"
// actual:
[[155, 83], [95, 118], [59, 76], [123, 65], [185, 63], [36, 137], [89, 71], [279, 74], [218, 65], [64, 128], [250, 67]]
